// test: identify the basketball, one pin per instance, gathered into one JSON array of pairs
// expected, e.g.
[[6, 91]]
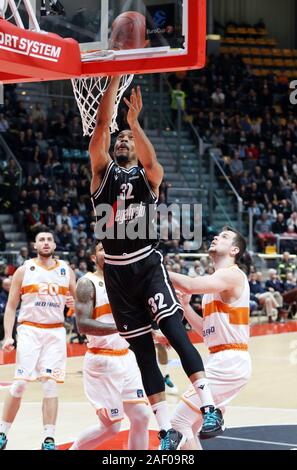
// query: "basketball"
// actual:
[[128, 31]]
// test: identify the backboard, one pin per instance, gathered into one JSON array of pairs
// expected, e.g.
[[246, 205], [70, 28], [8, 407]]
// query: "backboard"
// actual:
[[175, 37]]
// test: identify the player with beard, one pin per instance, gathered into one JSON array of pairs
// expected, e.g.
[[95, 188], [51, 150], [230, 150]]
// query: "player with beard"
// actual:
[[137, 283], [43, 285], [224, 328]]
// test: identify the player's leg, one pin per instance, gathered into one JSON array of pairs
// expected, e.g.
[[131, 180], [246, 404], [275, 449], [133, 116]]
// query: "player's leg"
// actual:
[[11, 407], [135, 405], [94, 436], [133, 322], [166, 310], [49, 413], [139, 416], [28, 351], [51, 369], [153, 382], [103, 384], [186, 420]]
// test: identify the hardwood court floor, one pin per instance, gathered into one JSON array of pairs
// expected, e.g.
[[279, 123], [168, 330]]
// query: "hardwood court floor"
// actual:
[[269, 399]]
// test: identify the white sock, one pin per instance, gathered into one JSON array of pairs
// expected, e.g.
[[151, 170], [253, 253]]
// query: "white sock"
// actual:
[[161, 413], [5, 427], [203, 389], [49, 431]]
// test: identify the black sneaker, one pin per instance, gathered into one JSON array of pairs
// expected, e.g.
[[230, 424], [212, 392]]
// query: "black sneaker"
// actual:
[[171, 439], [48, 444], [3, 440], [213, 422]]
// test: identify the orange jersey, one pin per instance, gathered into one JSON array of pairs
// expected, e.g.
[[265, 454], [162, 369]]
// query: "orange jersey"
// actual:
[[43, 293], [102, 312], [226, 324]]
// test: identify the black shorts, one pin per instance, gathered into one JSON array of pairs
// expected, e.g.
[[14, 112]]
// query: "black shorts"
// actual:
[[139, 293]]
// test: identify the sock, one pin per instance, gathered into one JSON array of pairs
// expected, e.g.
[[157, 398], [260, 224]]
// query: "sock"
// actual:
[[5, 427], [49, 431], [161, 413], [202, 387]]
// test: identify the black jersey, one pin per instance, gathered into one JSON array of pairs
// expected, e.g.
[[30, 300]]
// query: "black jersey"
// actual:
[[125, 207]]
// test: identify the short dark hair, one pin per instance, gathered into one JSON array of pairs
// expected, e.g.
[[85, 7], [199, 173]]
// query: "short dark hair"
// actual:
[[45, 231], [239, 241], [94, 246]]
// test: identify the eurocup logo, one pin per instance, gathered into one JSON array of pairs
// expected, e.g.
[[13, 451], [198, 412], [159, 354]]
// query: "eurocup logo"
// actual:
[[160, 19]]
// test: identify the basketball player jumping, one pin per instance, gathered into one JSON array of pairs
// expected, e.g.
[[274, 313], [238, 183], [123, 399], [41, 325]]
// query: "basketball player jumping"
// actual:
[[44, 285], [112, 379], [137, 283], [224, 328]]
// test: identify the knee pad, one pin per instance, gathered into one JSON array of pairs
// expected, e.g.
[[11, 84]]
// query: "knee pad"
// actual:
[[49, 388], [18, 388]]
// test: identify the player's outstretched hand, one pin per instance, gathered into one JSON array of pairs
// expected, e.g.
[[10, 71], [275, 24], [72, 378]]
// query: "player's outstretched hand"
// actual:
[[69, 301], [134, 105], [183, 298], [8, 344]]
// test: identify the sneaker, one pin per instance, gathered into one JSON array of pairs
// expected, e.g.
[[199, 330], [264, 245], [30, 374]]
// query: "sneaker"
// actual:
[[171, 439], [169, 386], [213, 422], [3, 440], [48, 444]]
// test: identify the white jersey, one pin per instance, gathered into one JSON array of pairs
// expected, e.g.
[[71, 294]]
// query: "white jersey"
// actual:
[[227, 324], [102, 312], [43, 292]]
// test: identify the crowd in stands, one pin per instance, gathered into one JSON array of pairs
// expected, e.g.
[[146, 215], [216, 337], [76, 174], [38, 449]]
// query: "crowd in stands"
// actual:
[[250, 119], [253, 123]]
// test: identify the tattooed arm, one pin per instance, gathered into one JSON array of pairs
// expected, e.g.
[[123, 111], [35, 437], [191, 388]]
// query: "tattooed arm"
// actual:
[[84, 305]]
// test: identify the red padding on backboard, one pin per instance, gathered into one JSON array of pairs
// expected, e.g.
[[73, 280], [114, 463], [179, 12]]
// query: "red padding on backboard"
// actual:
[[43, 56]]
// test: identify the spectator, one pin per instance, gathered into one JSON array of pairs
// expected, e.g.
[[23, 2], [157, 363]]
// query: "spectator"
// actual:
[[263, 231], [79, 233], [50, 218], [218, 98], [22, 256], [286, 265], [82, 270], [178, 101], [77, 219], [64, 219], [279, 226]]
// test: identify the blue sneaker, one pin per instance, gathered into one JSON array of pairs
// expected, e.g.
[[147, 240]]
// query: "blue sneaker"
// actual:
[[171, 439], [48, 444], [169, 385], [3, 440], [213, 422]]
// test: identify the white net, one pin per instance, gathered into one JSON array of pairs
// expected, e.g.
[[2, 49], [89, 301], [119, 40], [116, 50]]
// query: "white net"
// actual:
[[88, 93]]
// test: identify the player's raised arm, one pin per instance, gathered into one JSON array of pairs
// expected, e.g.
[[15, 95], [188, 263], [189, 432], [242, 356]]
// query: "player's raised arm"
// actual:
[[220, 281], [100, 141], [11, 306], [144, 149], [84, 306]]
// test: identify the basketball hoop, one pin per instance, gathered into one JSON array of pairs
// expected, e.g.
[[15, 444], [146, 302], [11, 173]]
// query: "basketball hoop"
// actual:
[[88, 93]]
